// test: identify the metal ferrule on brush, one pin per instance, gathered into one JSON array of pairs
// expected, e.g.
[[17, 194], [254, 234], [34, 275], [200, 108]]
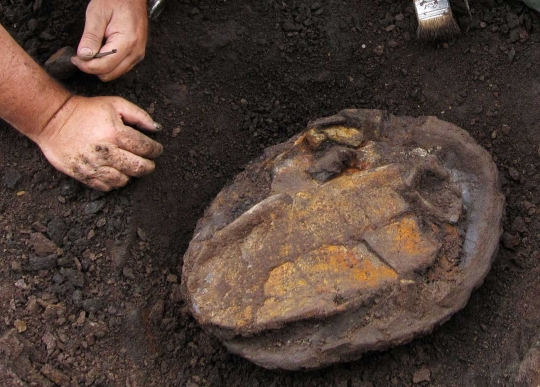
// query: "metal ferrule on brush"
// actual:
[[435, 20], [429, 9]]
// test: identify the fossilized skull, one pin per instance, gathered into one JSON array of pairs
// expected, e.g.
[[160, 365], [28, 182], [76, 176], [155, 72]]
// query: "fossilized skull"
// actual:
[[359, 234]]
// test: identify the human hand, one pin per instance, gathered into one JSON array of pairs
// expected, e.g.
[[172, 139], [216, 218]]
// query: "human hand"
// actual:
[[123, 25], [88, 140]]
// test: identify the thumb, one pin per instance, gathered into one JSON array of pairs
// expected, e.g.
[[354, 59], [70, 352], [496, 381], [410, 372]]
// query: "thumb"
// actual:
[[92, 38], [135, 116]]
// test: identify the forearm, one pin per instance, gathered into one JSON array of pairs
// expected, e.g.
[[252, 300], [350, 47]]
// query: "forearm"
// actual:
[[29, 98]]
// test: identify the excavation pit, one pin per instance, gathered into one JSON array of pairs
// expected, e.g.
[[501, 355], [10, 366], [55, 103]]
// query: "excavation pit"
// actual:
[[359, 234]]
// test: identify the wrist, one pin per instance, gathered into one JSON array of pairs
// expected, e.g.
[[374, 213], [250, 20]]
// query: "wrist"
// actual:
[[41, 112], [29, 97]]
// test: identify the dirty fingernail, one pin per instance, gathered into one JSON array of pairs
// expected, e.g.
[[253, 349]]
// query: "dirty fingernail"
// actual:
[[85, 52], [158, 127]]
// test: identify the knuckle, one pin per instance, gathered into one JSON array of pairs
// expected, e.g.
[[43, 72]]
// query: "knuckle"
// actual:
[[132, 40], [140, 170], [91, 37], [146, 148], [143, 169]]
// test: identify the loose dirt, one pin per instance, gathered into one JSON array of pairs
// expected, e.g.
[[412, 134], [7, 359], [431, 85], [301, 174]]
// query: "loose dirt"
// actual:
[[228, 79]]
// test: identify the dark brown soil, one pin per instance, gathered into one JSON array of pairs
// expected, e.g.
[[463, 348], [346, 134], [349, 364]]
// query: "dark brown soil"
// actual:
[[227, 79]]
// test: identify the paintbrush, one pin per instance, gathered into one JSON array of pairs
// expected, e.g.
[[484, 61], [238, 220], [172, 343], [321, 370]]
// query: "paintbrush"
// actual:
[[435, 20]]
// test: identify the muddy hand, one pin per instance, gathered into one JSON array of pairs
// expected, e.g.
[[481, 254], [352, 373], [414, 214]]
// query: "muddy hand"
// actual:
[[88, 140], [122, 25]]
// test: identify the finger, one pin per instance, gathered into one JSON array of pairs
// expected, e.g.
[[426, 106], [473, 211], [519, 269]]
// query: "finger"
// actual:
[[97, 185], [137, 143], [130, 164], [111, 177], [124, 67], [104, 65], [135, 116], [94, 32]]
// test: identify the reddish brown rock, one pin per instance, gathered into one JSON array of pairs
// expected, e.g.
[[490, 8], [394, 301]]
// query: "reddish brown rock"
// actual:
[[41, 245], [59, 64], [359, 234]]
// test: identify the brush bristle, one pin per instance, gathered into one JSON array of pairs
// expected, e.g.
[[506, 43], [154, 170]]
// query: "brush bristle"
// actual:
[[438, 28]]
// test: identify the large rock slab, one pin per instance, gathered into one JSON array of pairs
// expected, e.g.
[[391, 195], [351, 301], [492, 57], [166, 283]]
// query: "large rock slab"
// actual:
[[359, 234]]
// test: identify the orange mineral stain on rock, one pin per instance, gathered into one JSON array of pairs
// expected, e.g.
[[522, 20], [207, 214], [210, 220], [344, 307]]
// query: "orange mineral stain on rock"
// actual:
[[403, 245], [311, 285]]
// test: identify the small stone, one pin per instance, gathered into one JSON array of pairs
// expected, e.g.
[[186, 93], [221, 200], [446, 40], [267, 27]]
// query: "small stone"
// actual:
[[50, 342], [59, 65], [523, 35], [39, 227], [512, 20], [514, 36], [289, 26], [151, 109], [20, 326], [102, 222], [422, 375], [128, 272], [58, 278], [57, 377], [16, 266], [156, 312], [96, 329], [519, 225], [141, 234], [514, 173], [57, 230], [506, 129], [69, 188], [11, 178], [94, 207], [92, 305], [54, 311], [175, 132], [21, 284], [400, 17], [391, 27], [483, 24], [172, 278], [176, 293], [392, 43], [46, 36], [510, 241], [511, 54], [42, 246], [74, 277], [36, 263], [379, 50]]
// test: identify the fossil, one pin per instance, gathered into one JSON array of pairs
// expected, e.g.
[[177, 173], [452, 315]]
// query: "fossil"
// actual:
[[359, 234]]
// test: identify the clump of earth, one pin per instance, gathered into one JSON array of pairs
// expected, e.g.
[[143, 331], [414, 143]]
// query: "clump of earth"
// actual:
[[359, 234]]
